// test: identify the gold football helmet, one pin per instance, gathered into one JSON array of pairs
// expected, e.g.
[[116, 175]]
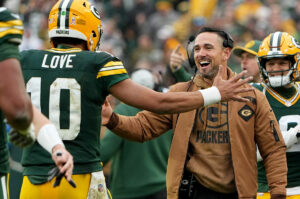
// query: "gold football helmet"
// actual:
[[76, 19], [280, 45]]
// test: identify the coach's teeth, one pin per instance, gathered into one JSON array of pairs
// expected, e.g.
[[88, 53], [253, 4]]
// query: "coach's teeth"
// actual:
[[204, 63]]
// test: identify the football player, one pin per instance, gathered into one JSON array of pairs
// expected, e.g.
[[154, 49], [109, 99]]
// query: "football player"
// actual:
[[16, 106], [69, 83], [278, 58], [14, 102]]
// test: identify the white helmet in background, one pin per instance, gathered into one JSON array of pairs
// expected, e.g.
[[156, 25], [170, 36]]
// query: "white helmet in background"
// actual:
[[143, 77]]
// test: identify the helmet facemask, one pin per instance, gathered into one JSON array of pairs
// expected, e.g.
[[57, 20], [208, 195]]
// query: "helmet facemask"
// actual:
[[279, 80]]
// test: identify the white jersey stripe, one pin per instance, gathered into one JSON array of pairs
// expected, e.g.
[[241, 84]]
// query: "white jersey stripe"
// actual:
[[111, 68], [11, 27], [3, 185]]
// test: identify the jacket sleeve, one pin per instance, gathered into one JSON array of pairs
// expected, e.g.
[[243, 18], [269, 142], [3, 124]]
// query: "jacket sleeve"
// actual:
[[271, 146], [142, 127], [146, 125]]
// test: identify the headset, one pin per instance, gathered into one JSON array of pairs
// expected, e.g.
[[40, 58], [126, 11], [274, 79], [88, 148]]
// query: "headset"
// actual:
[[227, 42]]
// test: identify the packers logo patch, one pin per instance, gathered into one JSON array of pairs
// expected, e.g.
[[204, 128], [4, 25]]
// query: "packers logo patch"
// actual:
[[246, 113]]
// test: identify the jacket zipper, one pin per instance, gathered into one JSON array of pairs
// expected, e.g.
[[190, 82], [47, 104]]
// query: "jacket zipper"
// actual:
[[231, 149], [274, 131], [186, 153]]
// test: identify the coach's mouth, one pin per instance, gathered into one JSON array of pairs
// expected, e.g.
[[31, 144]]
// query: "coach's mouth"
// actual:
[[204, 64]]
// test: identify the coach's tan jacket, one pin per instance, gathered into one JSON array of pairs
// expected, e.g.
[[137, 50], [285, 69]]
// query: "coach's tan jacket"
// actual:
[[250, 123]]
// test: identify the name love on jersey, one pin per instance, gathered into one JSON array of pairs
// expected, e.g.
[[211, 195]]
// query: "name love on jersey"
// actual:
[[61, 61]]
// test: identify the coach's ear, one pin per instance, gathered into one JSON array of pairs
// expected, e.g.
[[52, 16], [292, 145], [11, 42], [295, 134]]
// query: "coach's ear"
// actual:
[[226, 53]]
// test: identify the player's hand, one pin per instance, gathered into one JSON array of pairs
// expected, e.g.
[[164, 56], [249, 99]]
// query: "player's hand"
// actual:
[[176, 59], [55, 173], [106, 112], [22, 139], [64, 166], [229, 89], [63, 160]]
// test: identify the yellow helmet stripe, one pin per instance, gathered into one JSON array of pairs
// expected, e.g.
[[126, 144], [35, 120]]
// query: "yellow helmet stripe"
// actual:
[[111, 72], [64, 12]]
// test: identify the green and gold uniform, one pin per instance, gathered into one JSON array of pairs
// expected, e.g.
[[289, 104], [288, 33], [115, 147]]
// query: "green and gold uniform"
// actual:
[[69, 86], [11, 31], [286, 106]]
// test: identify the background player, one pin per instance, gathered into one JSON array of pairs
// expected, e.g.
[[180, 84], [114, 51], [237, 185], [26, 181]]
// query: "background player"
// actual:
[[278, 58]]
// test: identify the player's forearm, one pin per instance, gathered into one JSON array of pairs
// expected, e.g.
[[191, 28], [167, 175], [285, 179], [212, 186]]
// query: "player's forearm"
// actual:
[[174, 102], [171, 102], [14, 101], [19, 118], [39, 120]]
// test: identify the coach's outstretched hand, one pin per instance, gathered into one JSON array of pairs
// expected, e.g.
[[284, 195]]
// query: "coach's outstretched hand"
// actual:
[[229, 89]]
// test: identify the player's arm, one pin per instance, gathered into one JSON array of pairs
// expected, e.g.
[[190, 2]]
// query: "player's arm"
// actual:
[[47, 136], [14, 101], [174, 102], [49, 139]]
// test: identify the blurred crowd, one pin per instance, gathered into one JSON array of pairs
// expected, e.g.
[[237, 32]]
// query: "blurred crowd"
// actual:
[[143, 32]]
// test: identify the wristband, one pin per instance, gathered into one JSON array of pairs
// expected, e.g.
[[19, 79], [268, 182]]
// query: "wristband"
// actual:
[[113, 121], [48, 137], [210, 95]]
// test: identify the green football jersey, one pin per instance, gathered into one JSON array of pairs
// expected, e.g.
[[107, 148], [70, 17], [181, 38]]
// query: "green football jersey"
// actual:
[[287, 112], [69, 86], [11, 30]]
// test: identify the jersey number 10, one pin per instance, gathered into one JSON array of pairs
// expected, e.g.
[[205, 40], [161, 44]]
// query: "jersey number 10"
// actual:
[[33, 87]]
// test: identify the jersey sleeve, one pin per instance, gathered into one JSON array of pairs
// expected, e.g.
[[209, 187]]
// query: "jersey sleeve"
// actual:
[[11, 32], [112, 71]]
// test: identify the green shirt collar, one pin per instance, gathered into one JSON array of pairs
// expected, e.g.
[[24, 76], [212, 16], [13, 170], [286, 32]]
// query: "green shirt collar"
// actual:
[[64, 46]]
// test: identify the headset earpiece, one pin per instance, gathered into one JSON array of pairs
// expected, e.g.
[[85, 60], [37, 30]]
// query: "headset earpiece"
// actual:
[[228, 41], [190, 51]]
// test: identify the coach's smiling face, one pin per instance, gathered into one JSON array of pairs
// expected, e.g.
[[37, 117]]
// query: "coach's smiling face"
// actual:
[[209, 53]]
